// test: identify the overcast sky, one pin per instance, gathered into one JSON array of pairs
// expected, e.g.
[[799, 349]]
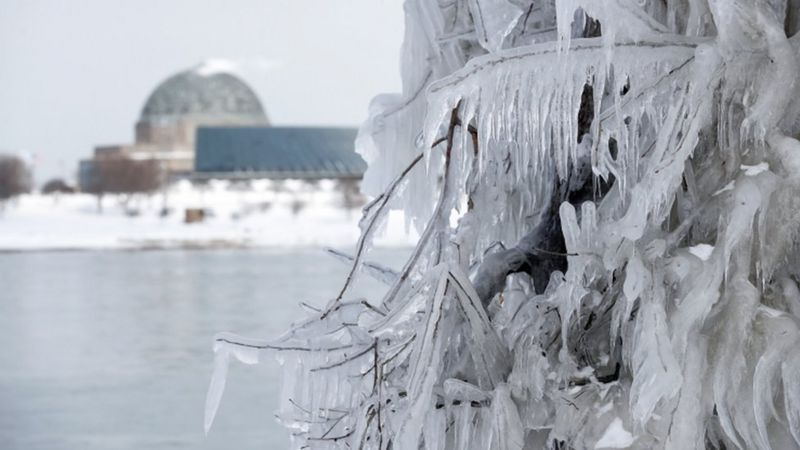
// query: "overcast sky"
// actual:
[[74, 74]]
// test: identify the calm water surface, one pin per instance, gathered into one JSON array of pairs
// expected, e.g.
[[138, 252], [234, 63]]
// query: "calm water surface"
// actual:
[[112, 350]]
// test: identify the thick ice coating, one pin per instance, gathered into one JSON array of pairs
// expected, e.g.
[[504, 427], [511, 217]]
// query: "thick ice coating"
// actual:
[[623, 269]]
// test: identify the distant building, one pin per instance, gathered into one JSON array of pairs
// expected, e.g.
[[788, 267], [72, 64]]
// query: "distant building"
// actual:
[[205, 123], [277, 153]]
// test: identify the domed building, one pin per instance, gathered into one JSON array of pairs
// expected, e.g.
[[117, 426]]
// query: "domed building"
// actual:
[[206, 122], [205, 95], [193, 98]]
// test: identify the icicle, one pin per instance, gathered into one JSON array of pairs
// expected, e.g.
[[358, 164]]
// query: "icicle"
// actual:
[[246, 352], [507, 429], [216, 388], [782, 336], [494, 20], [791, 391], [687, 430], [656, 374], [652, 175]]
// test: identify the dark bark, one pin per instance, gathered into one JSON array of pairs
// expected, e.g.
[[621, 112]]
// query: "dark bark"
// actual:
[[539, 253], [15, 177]]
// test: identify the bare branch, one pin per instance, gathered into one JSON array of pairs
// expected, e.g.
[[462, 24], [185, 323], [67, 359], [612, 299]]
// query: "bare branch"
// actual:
[[345, 360], [366, 234], [435, 217], [577, 46]]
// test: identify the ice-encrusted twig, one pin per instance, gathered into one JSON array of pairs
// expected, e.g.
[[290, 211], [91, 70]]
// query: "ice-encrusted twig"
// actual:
[[236, 340], [435, 218], [382, 201], [577, 46], [412, 97], [673, 107], [372, 213], [377, 271], [345, 360]]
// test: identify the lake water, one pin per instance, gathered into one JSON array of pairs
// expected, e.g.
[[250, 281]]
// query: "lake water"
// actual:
[[112, 350]]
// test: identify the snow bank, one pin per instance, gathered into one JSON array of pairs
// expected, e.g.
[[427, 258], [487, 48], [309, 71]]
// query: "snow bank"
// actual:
[[292, 214]]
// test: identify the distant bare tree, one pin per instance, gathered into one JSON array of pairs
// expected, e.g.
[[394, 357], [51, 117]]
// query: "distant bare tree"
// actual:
[[57, 185], [297, 206], [352, 197], [120, 174], [15, 177]]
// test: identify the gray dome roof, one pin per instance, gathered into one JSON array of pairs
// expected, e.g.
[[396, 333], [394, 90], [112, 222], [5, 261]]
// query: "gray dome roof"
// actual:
[[205, 95]]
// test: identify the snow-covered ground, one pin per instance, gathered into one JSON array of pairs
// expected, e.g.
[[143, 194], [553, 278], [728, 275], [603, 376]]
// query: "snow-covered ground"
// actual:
[[261, 214]]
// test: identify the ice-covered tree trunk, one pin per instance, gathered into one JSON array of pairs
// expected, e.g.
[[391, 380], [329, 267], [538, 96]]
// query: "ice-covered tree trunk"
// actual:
[[608, 199]]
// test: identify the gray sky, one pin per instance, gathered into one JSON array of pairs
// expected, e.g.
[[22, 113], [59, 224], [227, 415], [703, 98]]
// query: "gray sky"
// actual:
[[74, 74]]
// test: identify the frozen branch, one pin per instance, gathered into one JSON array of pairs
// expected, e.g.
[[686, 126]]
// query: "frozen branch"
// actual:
[[603, 162], [376, 271], [581, 47]]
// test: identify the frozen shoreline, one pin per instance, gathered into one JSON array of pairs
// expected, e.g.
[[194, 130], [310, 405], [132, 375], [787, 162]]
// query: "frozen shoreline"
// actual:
[[296, 216]]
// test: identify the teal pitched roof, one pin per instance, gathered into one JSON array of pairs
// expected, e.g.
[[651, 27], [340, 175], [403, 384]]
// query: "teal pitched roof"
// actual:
[[278, 152]]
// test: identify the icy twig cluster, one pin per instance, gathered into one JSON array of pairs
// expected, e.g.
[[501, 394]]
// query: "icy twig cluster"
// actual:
[[607, 198]]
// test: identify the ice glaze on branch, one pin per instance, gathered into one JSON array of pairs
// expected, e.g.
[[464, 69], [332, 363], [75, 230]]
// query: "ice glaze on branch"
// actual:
[[577, 48], [654, 168]]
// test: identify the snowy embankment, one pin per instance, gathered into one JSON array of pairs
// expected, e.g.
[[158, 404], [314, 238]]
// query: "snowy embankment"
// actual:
[[261, 214]]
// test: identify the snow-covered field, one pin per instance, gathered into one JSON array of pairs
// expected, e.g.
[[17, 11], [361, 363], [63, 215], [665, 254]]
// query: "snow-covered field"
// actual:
[[261, 214]]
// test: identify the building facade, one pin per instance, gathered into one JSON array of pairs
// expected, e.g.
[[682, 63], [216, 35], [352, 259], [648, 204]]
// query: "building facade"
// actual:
[[309, 153], [203, 124], [168, 123]]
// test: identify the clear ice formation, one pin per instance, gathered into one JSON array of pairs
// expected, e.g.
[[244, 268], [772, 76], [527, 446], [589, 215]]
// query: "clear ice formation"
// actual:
[[654, 142]]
